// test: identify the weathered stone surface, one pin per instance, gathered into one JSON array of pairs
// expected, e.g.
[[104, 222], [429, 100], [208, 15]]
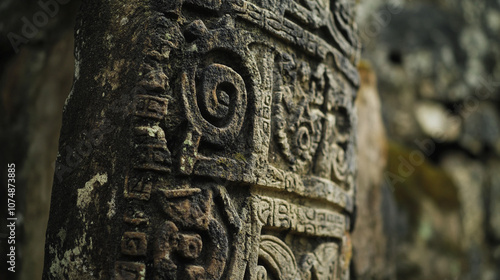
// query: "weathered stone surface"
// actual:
[[220, 138]]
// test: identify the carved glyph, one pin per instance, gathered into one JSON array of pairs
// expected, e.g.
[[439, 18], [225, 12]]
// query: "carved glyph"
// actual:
[[242, 142]]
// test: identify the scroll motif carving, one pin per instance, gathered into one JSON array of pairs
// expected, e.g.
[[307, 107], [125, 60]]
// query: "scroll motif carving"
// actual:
[[277, 261], [218, 107], [215, 90], [242, 142], [278, 257]]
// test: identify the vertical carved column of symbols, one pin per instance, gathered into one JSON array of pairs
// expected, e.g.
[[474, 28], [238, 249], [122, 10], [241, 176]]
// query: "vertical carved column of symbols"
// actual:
[[263, 101], [151, 157]]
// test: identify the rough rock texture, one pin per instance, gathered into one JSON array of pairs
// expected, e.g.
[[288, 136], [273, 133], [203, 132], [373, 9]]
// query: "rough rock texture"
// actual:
[[207, 140], [438, 64]]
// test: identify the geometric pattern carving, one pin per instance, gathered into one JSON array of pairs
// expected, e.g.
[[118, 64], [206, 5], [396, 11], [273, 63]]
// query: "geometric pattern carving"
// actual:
[[242, 141]]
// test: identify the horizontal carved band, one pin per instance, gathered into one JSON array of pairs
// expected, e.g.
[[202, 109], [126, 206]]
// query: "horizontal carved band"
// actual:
[[281, 214]]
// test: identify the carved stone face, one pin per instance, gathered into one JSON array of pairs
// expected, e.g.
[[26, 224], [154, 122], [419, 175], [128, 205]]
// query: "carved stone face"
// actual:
[[244, 144]]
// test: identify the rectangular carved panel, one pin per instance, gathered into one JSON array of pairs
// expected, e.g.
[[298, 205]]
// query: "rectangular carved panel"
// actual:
[[243, 142]]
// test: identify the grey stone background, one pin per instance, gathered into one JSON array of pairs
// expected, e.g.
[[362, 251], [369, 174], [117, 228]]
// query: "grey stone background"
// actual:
[[438, 70], [429, 135]]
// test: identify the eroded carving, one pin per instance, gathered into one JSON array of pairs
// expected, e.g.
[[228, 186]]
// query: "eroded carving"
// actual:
[[323, 262], [277, 261], [135, 216], [129, 271], [191, 235], [134, 244], [298, 126], [284, 215], [243, 142], [138, 188], [151, 106], [278, 258]]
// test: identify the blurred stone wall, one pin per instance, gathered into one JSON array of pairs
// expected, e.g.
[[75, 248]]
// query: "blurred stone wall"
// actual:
[[36, 73], [438, 68], [373, 255]]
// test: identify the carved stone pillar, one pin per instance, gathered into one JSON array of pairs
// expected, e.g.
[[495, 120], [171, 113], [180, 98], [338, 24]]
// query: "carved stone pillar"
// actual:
[[207, 140]]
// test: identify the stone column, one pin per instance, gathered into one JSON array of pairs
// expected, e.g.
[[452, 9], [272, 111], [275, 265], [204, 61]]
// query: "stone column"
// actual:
[[207, 140]]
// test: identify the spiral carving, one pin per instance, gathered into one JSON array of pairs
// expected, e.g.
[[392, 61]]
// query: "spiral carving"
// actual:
[[217, 103], [222, 95]]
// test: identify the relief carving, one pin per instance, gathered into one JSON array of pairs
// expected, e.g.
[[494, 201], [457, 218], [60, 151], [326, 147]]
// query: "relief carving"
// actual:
[[129, 271], [297, 126], [235, 158], [277, 261], [243, 142], [151, 106], [191, 242], [134, 244], [283, 215]]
